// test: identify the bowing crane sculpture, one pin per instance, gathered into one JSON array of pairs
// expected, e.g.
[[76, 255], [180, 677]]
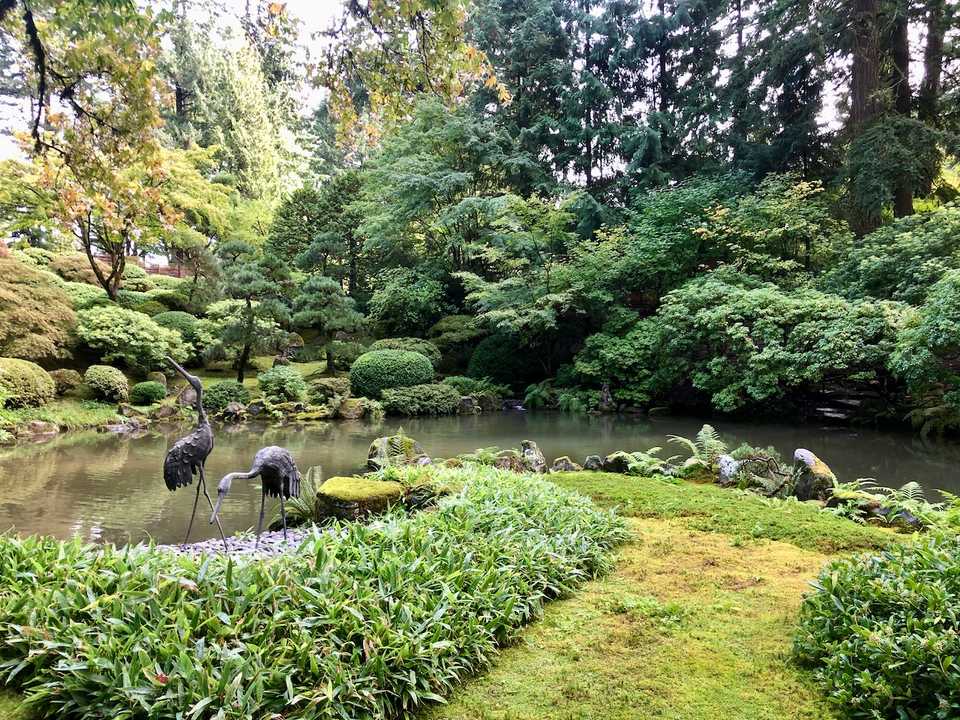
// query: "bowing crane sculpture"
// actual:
[[188, 455], [279, 477]]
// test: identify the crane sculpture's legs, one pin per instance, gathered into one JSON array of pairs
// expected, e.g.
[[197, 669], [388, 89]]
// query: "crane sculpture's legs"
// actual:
[[203, 484], [283, 515], [194, 513], [263, 499]]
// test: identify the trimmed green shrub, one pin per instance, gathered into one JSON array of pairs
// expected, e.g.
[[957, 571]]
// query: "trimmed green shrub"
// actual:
[[282, 384], [375, 371], [147, 393], [36, 316], [151, 308], [883, 631], [37, 257], [346, 352], [403, 610], [24, 384], [83, 295], [184, 323], [129, 336], [502, 359], [171, 299], [424, 347], [65, 380], [107, 383], [220, 394], [130, 299], [136, 278], [432, 399]]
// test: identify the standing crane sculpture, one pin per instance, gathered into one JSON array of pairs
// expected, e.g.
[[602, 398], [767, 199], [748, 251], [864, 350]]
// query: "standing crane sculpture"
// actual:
[[279, 477], [189, 454]]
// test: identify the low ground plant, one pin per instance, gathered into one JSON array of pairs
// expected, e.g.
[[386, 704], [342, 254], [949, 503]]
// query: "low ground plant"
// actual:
[[364, 621], [883, 631], [220, 394]]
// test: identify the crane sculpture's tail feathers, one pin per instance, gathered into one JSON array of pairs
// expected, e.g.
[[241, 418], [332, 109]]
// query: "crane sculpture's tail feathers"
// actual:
[[177, 469]]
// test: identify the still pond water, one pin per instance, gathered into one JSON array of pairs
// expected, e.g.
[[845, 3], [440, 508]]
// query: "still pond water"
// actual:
[[109, 487]]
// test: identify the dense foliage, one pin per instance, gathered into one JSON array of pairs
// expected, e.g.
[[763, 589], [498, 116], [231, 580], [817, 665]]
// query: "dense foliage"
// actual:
[[147, 392], [220, 394], [418, 345], [35, 316], [282, 383], [24, 384], [66, 380], [882, 631], [373, 372], [107, 383], [366, 657], [432, 399], [128, 336]]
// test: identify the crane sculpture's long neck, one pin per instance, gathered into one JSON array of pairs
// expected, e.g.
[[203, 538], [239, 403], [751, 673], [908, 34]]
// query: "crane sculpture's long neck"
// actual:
[[224, 487], [201, 413]]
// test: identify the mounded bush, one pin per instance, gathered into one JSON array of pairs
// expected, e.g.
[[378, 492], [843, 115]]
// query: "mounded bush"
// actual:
[[379, 644], [83, 295], [147, 393], [65, 380], [183, 322], [424, 347], [346, 352], [36, 316], [136, 278], [24, 384], [151, 307], [128, 336], [432, 399], [220, 394], [107, 383], [883, 631], [130, 299], [282, 384], [378, 370]]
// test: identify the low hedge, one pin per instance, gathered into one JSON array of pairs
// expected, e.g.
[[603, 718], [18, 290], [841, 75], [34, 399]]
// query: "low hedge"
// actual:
[[379, 370], [147, 393], [365, 621], [107, 383], [24, 384], [432, 399], [220, 394], [282, 384], [883, 631], [424, 347]]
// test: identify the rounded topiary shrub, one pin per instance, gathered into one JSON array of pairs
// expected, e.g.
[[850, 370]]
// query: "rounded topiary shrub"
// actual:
[[65, 380], [24, 384], [377, 370], [147, 393], [424, 347], [107, 383], [282, 384], [219, 395], [151, 307], [183, 322]]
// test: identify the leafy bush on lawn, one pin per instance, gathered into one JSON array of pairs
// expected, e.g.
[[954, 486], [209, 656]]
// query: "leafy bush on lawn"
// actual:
[[431, 399], [65, 380], [366, 621], [377, 370], [282, 384], [147, 393], [345, 353], [221, 394], [107, 383], [883, 631]]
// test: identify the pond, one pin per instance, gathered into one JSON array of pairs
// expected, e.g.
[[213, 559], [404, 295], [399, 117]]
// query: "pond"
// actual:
[[110, 487]]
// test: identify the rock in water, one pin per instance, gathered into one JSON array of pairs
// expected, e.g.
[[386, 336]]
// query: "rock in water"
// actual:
[[564, 464], [533, 458], [593, 463], [468, 405], [814, 478], [509, 460]]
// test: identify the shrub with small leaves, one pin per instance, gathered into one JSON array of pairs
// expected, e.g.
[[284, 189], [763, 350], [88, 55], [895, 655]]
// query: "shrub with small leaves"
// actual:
[[65, 380], [345, 353], [150, 307], [129, 336], [107, 383], [432, 399], [378, 370], [282, 384], [24, 384], [424, 347], [147, 393], [219, 395]]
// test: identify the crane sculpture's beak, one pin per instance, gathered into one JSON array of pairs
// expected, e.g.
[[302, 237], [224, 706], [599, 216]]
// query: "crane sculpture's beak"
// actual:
[[216, 508], [222, 489]]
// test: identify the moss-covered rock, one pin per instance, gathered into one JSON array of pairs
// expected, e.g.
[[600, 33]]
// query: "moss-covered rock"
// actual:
[[394, 450], [814, 480], [565, 464], [617, 462], [353, 498]]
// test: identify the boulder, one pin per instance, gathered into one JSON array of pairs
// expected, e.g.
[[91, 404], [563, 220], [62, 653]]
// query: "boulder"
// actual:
[[356, 408], [813, 478], [564, 464], [594, 463], [394, 450], [509, 460], [468, 405], [617, 462], [729, 469], [234, 412], [353, 498], [256, 408], [39, 427], [157, 377], [533, 458], [164, 412], [187, 396]]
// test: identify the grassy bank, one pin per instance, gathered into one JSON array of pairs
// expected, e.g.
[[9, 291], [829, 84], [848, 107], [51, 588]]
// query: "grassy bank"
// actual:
[[695, 623], [65, 413]]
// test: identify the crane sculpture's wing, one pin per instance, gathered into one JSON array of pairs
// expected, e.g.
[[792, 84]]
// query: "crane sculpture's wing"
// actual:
[[183, 459], [289, 474]]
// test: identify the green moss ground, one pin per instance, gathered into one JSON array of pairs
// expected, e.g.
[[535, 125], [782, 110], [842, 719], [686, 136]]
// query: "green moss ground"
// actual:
[[354, 489], [8, 707], [66, 413], [261, 363]]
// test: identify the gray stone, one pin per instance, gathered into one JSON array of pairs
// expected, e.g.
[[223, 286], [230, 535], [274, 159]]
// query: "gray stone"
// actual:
[[164, 412], [234, 412], [39, 427], [468, 405], [617, 462], [255, 408], [533, 458], [593, 462], [813, 478], [729, 468], [564, 464]]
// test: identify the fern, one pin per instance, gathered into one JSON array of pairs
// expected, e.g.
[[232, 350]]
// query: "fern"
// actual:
[[707, 446], [302, 510]]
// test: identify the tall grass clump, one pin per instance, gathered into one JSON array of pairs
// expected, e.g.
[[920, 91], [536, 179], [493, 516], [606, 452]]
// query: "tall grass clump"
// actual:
[[883, 631], [364, 621]]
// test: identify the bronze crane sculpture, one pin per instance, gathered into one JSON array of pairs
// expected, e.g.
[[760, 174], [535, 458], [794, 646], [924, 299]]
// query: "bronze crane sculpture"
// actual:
[[189, 454], [279, 477]]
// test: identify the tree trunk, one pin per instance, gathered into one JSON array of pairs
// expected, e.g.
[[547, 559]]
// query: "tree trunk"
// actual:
[[900, 79], [242, 364], [865, 73], [928, 97], [329, 370]]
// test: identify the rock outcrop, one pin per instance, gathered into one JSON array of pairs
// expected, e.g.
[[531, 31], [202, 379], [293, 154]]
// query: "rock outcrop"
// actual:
[[813, 478]]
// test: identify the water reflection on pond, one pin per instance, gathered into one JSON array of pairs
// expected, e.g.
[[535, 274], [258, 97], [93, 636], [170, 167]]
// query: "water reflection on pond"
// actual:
[[111, 488]]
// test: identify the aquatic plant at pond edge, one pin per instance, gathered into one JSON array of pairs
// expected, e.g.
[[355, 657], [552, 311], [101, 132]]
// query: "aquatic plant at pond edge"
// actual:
[[366, 620]]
